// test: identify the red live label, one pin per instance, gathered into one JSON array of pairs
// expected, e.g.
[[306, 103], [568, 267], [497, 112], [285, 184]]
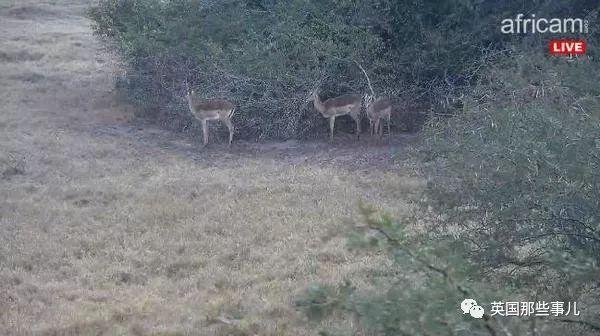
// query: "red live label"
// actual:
[[567, 47]]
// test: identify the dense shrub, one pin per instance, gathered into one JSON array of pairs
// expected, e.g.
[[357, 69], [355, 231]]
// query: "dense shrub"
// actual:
[[432, 273], [267, 55], [524, 159], [517, 174], [420, 294]]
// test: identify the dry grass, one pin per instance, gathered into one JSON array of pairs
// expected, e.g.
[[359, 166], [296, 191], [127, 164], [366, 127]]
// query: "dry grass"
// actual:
[[109, 226]]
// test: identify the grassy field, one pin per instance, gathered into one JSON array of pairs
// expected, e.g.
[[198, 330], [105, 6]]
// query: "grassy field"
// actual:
[[109, 225]]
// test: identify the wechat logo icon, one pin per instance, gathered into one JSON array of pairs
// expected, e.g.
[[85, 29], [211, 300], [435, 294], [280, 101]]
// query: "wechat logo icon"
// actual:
[[469, 306]]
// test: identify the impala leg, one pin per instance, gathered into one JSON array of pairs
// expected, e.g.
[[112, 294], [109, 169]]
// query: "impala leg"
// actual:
[[389, 120], [229, 125], [371, 125], [378, 127], [205, 132], [357, 119], [331, 126]]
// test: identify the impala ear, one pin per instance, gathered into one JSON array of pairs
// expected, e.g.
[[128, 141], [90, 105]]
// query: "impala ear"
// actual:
[[311, 94]]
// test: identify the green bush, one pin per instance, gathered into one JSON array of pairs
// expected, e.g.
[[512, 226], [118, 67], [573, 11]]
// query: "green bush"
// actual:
[[433, 272], [420, 294], [518, 171], [267, 55], [265, 58]]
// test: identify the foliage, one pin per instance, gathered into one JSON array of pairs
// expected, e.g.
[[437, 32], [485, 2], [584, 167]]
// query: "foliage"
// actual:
[[266, 56], [524, 162], [421, 295]]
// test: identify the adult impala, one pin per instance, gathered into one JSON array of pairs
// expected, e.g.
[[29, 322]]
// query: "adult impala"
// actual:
[[211, 109], [348, 104]]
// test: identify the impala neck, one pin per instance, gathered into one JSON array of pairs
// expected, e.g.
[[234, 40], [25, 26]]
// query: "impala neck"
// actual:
[[190, 101], [318, 103]]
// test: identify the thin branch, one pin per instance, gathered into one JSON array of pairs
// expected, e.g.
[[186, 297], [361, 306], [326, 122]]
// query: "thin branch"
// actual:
[[367, 76], [360, 66], [396, 242], [573, 234]]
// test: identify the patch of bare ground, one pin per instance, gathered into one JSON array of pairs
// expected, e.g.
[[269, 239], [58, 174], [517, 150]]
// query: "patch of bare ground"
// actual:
[[111, 226]]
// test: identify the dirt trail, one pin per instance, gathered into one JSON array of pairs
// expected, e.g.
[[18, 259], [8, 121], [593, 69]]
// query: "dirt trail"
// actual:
[[109, 225]]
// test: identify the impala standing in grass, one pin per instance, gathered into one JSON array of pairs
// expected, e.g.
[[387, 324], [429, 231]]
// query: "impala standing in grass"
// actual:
[[211, 109]]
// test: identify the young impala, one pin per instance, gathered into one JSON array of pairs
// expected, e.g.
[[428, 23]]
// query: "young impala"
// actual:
[[377, 109]]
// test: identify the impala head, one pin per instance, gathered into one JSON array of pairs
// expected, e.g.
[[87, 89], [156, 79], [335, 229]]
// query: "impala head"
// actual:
[[312, 94]]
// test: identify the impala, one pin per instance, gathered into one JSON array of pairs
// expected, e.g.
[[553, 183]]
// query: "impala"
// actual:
[[377, 109], [348, 104], [211, 109]]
